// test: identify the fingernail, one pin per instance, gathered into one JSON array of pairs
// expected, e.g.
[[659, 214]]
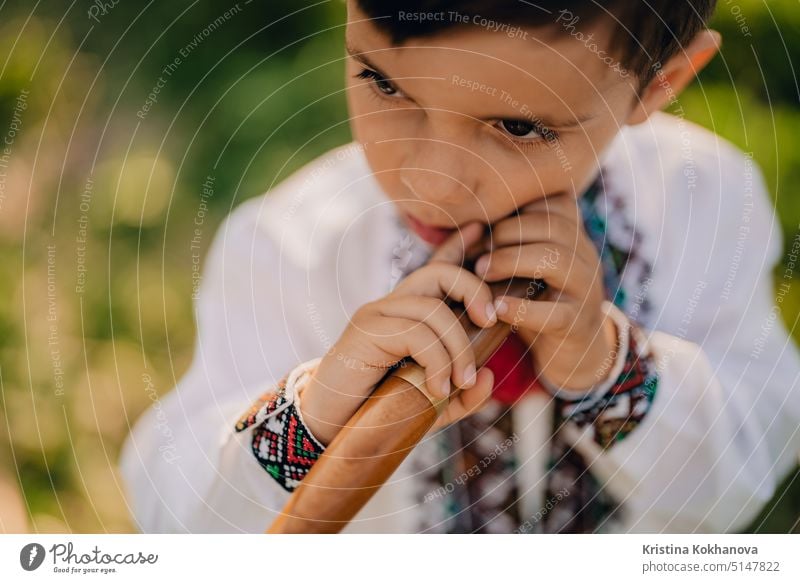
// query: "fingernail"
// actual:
[[446, 387], [469, 376], [481, 264], [491, 313], [500, 307]]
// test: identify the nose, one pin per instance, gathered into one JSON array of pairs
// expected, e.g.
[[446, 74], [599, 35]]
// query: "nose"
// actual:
[[437, 175]]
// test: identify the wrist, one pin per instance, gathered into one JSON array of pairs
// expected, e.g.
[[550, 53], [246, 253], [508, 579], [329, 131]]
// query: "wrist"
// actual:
[[324, 410], [280, 440], [607, 363]]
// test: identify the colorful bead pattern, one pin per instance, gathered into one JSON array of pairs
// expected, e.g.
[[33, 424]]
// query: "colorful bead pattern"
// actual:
[[623, 407], [287, 450], [281, 443]]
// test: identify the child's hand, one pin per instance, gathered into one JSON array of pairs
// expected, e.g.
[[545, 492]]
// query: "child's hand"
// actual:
[[572, 340], [413, 320]]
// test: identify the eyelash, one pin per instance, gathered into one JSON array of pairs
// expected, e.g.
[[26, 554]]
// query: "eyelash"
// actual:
[[374, 77], [549, 138]]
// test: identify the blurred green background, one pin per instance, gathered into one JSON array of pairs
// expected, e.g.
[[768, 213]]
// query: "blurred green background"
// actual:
[[111, 142]]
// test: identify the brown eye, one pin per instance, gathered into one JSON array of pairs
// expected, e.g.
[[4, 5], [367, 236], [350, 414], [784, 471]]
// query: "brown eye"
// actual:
[[385, 87], [380, 82], [520, 129]]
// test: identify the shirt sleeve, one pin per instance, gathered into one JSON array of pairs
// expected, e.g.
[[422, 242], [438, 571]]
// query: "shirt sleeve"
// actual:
[[185, 466], [722, 430]]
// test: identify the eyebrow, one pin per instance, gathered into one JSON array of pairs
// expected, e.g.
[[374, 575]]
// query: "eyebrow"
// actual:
[[364, 60], [548, 122], [360, 56]]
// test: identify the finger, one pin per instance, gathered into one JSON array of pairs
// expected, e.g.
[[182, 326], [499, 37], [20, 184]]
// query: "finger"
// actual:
[[563, 203], [453, 249], [466, 403], [532, 227], [541, 227], [441, 319], [557, 265], [537, 316], [406, 337], [442, 280]]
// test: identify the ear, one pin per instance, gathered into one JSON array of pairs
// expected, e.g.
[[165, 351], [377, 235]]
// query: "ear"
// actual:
[[675, 75]]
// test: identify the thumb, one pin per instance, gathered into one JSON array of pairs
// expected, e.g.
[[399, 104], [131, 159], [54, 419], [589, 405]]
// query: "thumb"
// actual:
[[453, 249], [466, 401]]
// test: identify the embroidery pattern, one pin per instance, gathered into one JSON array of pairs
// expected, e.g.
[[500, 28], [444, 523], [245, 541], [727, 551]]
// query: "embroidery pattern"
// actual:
[[281, 443], [287, 450], [584, 506]]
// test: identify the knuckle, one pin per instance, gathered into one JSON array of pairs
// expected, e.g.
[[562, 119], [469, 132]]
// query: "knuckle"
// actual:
[[561, 224], [362, 315], [563, 319]]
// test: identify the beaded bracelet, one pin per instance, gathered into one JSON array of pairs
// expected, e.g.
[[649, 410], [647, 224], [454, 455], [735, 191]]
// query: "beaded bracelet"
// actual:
[[595, 393], [618, 411], [281, 442]]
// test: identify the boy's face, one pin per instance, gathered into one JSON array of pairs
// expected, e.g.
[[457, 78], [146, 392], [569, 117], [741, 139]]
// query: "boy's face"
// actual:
[[472, 123]]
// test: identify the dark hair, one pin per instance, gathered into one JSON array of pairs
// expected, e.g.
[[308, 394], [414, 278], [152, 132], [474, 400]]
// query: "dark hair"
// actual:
[[646, 34]]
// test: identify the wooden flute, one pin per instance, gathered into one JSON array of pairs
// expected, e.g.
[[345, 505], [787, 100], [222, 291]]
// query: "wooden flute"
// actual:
[[386, 428]]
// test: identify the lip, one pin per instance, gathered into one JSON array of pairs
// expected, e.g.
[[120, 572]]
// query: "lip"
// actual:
[[428, 233]]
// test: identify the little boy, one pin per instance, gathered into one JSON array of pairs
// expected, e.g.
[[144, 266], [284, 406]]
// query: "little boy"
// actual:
[[652, 388]]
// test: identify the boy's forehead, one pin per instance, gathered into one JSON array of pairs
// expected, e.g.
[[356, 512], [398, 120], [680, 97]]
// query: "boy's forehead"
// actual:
[[519, 65]]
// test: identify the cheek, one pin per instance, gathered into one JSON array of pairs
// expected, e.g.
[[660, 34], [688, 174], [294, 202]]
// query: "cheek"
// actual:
[[358, 112], [369, 122], [383, 154], [377, 130], [514, 180]]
